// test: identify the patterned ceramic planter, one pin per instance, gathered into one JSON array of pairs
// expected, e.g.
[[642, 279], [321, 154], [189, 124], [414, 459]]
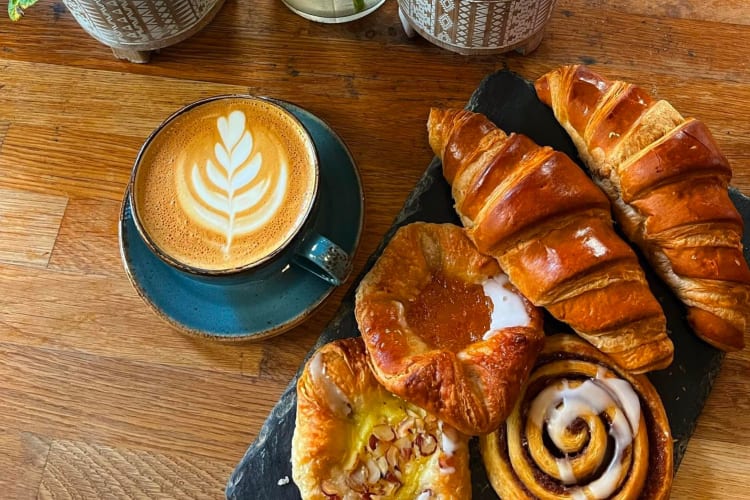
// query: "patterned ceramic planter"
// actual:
[[134, 28], [479, 26]]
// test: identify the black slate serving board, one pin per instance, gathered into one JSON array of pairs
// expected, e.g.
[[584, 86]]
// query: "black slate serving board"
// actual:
[[510, 101]]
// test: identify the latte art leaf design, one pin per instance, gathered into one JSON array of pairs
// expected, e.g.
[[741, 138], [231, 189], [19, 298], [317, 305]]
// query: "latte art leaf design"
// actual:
[[235, 192]]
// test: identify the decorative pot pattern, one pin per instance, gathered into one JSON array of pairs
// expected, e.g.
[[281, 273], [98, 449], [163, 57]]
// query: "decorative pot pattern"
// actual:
[[131, 27], [479, 26]]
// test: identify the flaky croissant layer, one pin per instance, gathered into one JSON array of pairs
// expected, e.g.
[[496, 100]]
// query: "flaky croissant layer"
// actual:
[[667, 181], [550, 229]]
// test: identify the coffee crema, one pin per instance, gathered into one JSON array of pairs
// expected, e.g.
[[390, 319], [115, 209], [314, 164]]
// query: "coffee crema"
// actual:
[[226, 183]]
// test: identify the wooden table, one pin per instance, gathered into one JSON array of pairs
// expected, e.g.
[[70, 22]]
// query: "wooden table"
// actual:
[[101, 399]]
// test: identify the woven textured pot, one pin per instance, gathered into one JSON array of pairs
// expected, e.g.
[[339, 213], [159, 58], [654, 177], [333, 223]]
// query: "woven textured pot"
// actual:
[[479, 26], [134, 28]]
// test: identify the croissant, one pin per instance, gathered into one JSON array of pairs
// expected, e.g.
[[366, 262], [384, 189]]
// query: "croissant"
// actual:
[[550, 229], [668, 183]]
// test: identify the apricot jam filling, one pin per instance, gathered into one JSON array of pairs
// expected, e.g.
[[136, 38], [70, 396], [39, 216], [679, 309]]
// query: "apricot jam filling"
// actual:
[[449, 313]]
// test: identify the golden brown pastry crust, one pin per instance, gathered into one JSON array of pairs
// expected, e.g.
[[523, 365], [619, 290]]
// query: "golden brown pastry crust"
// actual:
[[667, 181], [335, 447], [472, 389], [550, 228], [533, 472]]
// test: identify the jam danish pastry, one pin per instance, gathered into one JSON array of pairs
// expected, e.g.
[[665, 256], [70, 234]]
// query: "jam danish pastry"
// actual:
[[444, 328]]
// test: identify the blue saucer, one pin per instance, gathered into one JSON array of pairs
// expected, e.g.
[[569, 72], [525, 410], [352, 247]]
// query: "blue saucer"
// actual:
[[253, 310]]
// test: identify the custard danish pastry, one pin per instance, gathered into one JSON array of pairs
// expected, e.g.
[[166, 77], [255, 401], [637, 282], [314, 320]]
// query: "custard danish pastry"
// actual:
[[353, 439]]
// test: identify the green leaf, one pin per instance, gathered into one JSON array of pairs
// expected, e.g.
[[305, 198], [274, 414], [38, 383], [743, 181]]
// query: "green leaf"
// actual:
[[359, 5], [15, 8]]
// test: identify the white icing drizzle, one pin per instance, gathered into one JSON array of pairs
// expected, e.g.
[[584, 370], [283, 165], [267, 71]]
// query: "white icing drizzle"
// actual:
[[448, 439], [335, 397], [625, 395], [578, 494], [560, 405], [566, 471], [449, 443], [606, 484], [508, 308]]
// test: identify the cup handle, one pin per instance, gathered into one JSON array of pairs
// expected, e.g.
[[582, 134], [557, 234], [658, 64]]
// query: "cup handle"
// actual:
[[323, 258]]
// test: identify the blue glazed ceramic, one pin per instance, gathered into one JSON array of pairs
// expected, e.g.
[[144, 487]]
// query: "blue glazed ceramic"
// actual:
[[254, 309]]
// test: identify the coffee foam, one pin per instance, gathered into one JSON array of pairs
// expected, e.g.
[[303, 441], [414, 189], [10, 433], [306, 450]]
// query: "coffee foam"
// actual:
[[226, 183]]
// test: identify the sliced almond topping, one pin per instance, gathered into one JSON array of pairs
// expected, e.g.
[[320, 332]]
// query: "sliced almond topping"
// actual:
[[383, 464], [397, 475], [405, 427], [382, 488], [392, 456], [372, 443], [330, 489], [412, 412], [390, 488], [404, 445], [418, 441], [384, 432], [357, 478], [393, 477], [428, 444], [419, 424], [373, 471], [380, 449]]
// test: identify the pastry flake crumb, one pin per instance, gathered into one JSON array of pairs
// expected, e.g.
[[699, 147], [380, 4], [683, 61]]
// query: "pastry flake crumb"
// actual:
[[284, 480]]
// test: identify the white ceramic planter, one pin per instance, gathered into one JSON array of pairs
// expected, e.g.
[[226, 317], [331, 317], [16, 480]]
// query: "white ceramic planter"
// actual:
[[134, 28], [479, 26]]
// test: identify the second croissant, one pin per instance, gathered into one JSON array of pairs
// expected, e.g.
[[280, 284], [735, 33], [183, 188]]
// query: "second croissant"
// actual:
[[667, 180]]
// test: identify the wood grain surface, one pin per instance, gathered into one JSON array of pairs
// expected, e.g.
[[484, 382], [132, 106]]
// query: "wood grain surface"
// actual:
[[101, 399]]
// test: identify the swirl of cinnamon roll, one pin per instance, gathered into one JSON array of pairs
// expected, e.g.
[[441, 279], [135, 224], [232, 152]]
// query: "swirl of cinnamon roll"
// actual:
[[582, 428]]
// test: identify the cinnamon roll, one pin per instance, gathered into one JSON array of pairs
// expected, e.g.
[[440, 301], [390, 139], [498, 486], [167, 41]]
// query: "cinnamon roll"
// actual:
[[582, 428]]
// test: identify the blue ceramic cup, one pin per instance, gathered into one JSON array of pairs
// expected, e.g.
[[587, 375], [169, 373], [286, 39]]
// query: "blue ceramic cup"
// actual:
[[226, 190]]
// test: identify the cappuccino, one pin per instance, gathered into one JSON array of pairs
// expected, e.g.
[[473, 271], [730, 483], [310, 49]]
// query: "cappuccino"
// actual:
[[225, 184]]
